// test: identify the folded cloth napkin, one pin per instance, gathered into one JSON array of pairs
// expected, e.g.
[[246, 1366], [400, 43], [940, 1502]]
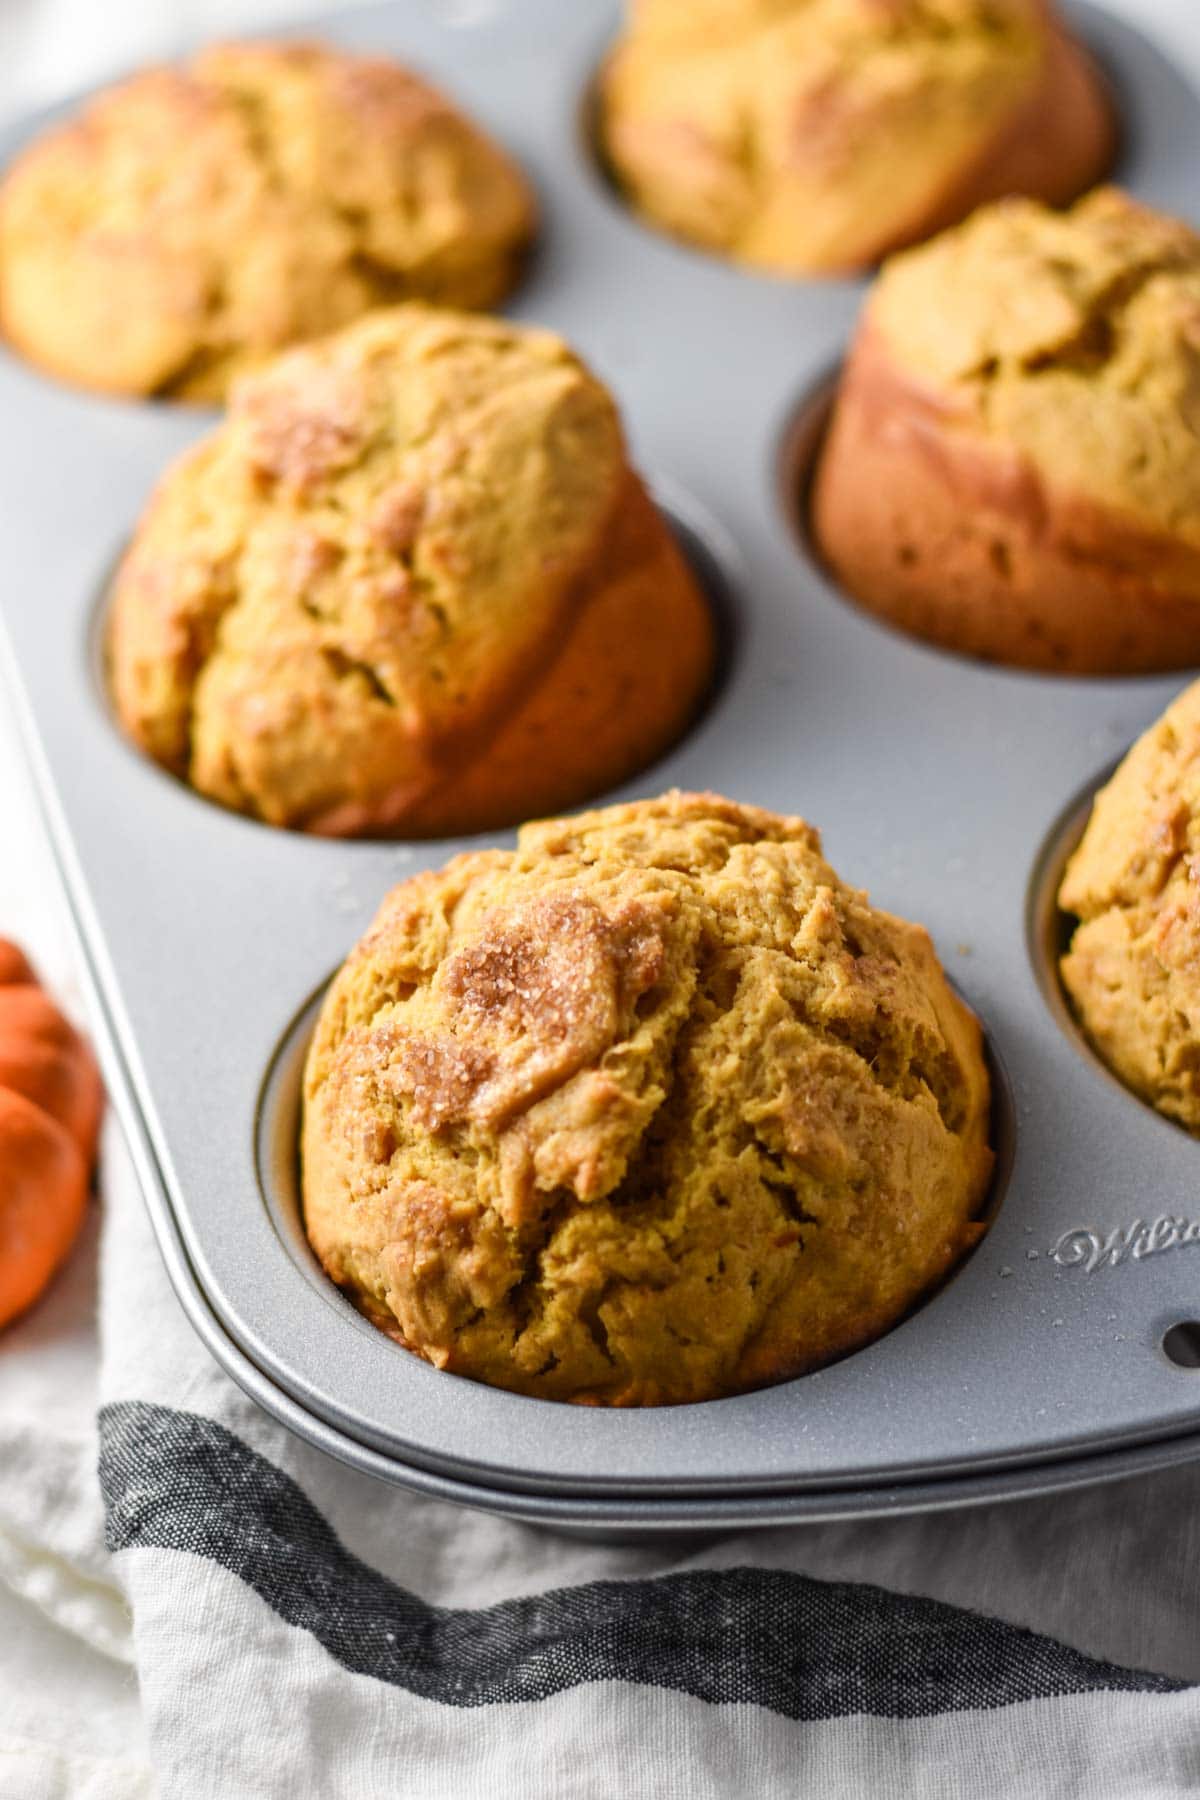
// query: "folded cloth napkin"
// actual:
[[299, 1629], [193, 1603]]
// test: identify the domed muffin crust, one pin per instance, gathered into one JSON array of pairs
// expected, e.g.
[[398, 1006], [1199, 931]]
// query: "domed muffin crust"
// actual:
[[652, 1109], [193, 220], [1013, 465], [1133, 967], [410, 585], [815, 136]]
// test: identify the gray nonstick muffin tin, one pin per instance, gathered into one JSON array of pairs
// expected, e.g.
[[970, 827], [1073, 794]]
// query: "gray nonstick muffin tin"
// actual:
[[950, 790]]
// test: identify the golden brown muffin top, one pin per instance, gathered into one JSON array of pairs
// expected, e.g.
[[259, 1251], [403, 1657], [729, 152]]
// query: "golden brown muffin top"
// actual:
[[193, 219], [348, 580], [651, 1108], [798, 133], [1133, 968], [1073, 337]]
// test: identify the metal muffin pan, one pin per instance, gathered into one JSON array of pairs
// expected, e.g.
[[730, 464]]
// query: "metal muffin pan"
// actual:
[[944, 787]]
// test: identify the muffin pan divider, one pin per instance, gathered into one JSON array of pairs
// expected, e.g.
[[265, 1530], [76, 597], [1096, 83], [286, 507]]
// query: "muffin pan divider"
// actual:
[[938, 785]]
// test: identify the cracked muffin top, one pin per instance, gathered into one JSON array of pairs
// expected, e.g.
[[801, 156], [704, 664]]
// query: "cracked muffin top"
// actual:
[[338, 598], [652, 1108], [1133, 966], [808, 136], [1072, 337], [192, 220]]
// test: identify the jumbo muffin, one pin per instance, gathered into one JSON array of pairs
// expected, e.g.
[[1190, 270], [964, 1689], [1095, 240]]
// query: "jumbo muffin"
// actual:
[[195, 219], [814, 136], [1013, 465], [410, 585], [652, 1108], [1133, 966]]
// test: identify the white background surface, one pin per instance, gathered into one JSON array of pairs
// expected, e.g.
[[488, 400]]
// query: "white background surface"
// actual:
[[55, 1685]]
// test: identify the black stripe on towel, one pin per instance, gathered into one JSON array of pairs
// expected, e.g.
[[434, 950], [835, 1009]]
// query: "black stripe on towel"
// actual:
[[807, 1649]]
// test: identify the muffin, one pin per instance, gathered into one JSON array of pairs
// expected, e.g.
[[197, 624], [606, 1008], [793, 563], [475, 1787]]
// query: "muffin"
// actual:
[[193, 220], [410, 585], [1133, 967], [815, 136], [1013, 464], [652, 1108]]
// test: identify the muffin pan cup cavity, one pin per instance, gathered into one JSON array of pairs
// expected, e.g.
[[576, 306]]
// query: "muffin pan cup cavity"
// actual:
[[709, 552], [934, 781]]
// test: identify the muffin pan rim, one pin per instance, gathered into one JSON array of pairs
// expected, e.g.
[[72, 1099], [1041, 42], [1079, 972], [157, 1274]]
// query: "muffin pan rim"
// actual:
[[833, 646], [652, 1514]]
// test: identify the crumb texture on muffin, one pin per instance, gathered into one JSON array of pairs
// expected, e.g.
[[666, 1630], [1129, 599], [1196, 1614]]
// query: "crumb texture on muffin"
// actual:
[[809, 136], [1013, 466], [193, 220], [1133, 966], [652, 1109], [410, 583]]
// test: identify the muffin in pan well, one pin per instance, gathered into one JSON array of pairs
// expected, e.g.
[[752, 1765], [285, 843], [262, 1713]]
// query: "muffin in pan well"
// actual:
[[193, 220], [411, 586], [1132, 969], [1012, 469], [653, 1108], [815, 136]]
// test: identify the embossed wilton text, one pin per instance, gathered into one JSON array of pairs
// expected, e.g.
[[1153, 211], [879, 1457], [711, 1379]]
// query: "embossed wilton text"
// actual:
[[1090, 1250]]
